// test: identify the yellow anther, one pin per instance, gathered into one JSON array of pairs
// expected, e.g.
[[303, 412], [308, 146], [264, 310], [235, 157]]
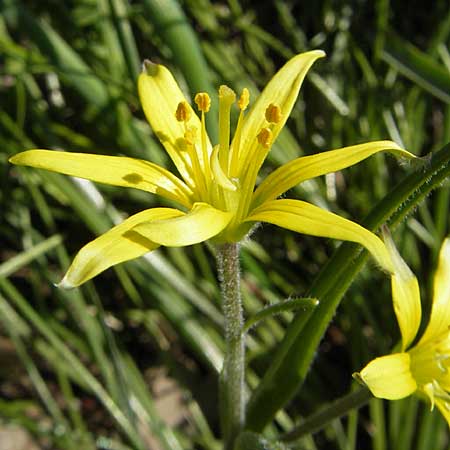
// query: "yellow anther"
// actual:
[[273, 113], [244, 99], [203, 101], [183, 113], [265, 137], [226, 94]]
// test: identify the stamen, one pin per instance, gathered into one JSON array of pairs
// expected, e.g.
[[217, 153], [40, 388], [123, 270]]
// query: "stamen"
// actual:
[[190, 136], [226, 99], [429, 391], [244, 99], [203, 101], [265, 137], [183, 112], [442, 361], [273, 113], [243, 102]]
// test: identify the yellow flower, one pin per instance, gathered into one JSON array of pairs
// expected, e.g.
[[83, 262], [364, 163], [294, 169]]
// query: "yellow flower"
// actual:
[[216, 191], [423, 368]]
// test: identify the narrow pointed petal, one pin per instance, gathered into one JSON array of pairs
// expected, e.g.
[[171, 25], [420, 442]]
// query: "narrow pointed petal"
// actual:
[[303, 217], [200, 224], [282, 91], [405, 294], [115, 170], [307, 167], [160, 95], [440, 312], [389, 377], [117, 245]]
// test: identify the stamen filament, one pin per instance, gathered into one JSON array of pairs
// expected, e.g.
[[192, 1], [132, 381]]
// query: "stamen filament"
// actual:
[[190, 136], [234, 152], [248, 182], [203, 102], [205, 151]]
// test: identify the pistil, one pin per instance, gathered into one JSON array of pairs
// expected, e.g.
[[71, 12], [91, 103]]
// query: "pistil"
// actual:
[[226, 99]]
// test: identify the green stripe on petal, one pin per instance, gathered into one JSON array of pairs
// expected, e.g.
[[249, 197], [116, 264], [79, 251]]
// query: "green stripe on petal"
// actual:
[[405, 294], [440, 312], [115, 170], [303, 217], [282, 91], [117, 245], [160, 95], [389, 376], [200, 224], [307, 167]]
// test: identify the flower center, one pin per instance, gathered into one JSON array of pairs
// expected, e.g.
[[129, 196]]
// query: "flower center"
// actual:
[[225, 176], [430, 363]]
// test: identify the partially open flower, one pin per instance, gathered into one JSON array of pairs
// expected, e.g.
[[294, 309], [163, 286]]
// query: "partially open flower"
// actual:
[[423, 368]]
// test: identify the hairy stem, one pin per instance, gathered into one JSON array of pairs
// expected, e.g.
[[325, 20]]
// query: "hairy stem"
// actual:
[[232, 376]]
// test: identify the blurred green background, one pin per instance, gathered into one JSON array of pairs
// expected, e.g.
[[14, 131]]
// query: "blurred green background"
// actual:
[[131, 360]]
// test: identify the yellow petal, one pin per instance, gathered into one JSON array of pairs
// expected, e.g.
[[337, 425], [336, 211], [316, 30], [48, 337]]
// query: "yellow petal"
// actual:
[[306, 167], [389, 377], [305, 218], [282, 91], [440, 312], [200, 224], [405, 294], [117, 245], [160, 96], [115, 170]]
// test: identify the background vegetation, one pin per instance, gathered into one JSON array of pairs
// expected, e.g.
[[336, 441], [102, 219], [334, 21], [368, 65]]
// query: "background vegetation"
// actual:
[[130, 360]]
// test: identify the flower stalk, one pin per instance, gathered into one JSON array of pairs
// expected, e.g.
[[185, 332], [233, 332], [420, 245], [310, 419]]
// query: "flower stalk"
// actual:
[[232, 394]]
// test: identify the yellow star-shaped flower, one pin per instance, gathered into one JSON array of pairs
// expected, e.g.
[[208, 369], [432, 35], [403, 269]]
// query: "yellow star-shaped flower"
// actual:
[[216, 187], [423, 368]]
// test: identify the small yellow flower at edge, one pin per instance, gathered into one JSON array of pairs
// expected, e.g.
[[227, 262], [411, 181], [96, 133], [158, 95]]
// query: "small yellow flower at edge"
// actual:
[[423, 368], [215, 190]]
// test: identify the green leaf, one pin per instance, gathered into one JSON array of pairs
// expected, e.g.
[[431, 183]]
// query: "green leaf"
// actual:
[[304, 304], [253, 441], [418, 67]]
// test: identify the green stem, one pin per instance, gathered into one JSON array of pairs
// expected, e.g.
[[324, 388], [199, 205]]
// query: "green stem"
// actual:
[[338, 408], [232, 376]]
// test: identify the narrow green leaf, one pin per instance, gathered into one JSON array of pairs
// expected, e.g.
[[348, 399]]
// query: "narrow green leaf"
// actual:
[[327, 413], [418, 67], [253, 441], [119, 12], [17, 262], [72, 361], [304, 304], [68, 63], [173, 27]]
